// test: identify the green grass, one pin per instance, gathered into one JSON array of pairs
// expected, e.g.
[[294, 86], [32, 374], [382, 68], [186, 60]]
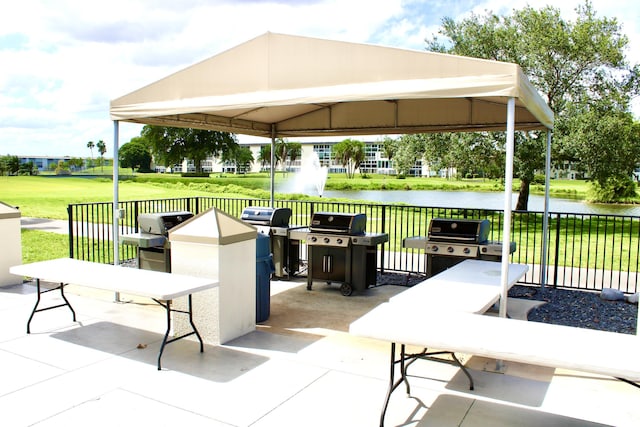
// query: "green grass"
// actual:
[[43, 245], [48, 197]]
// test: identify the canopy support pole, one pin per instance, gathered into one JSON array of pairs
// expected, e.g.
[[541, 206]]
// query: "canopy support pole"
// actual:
[[116, 202], [508, 188], [272, 168], [545, 218], [506, 230]]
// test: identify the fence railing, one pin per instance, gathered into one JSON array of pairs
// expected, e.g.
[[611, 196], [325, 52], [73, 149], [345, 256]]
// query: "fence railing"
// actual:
[[585, 251]]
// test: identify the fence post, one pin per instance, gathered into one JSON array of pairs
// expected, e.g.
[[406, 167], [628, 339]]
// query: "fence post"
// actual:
[[71, 239], [384, 228], [557, 250]]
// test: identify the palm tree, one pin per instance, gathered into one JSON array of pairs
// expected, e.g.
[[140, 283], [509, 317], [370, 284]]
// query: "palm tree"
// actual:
[[265, 155], [90, 146], [101, 149], [350, 153]]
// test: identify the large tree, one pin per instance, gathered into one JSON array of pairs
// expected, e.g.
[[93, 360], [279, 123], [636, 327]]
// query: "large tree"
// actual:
[[568, 61], [172, 145], [407, 149], [135, 154]]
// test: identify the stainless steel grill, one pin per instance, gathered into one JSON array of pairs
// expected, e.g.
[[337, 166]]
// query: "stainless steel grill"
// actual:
[[274, 222], [340, 250], [154, 248], [451, 241]]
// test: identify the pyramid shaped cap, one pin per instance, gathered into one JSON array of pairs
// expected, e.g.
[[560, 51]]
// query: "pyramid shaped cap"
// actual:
[[213, 227], [7, 211]]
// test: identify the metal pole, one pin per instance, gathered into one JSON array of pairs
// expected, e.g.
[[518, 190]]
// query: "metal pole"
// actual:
[[545, 219], [508, 186], [273, 161], [116, 210]]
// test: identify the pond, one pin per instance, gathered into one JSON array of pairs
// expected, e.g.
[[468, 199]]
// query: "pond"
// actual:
[[481, 200]]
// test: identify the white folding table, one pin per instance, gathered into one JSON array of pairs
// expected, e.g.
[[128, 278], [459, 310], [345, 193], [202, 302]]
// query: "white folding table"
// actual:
[[159, 286]]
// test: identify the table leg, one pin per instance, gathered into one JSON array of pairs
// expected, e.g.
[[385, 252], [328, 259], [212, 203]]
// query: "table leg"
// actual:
[[38, 300], [393, 384], [166, 340]]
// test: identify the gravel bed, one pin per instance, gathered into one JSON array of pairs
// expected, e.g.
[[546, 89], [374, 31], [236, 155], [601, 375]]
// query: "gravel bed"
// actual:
[[583, 309]]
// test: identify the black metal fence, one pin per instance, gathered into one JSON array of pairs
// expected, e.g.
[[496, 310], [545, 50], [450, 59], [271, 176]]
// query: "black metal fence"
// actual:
[[585, 251]]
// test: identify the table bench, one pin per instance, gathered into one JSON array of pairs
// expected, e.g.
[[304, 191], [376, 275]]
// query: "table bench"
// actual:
[[161, 287], [462, 328]]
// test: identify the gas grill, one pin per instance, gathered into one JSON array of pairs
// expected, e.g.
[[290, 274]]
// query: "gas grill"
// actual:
[[154, 249], [274, 222], [451, 241], [340, 250]]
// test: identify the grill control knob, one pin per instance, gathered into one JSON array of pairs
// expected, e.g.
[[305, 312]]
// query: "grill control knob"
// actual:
[[484, 249], [434, 248], [314, 238], [450, 249], [467, 251], [339, 241], [327, 240]]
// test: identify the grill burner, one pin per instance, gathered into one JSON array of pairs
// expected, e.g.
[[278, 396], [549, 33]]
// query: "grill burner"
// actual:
[[274, 222], [154, 249], [340, 250]]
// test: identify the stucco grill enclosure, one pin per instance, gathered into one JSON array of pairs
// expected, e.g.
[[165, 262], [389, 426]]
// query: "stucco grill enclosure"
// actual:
[[283, 86], [216, 245], [11, 244]]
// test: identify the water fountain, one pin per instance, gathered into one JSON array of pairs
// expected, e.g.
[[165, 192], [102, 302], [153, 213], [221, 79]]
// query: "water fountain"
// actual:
[[311, 178]]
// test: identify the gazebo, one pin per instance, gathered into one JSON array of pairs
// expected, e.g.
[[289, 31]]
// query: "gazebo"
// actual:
[[285, 86]]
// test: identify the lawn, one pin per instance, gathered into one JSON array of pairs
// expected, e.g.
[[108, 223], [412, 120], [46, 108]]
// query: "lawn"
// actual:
[[49, 197]]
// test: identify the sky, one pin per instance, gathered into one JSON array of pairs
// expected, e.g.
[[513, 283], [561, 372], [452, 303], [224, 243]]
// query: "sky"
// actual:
[[62, 61]]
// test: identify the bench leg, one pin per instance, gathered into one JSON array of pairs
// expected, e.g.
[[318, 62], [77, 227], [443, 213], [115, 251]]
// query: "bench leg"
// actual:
[[40, 292], [166, 340]]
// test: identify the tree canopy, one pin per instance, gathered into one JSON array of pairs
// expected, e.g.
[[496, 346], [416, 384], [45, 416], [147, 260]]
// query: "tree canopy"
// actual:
[[135, 155], [579, 67], [172, 145]]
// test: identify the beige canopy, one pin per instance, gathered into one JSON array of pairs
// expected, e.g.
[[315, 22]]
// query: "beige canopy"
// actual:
[[289, 86]]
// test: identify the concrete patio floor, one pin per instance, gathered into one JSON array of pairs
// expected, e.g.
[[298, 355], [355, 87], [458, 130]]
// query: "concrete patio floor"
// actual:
[[299, 368]]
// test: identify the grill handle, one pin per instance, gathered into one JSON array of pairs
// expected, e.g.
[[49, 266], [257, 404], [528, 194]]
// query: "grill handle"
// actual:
[[327, 264]]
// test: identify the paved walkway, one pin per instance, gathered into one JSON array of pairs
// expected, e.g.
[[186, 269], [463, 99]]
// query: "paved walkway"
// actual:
[[299, 368], [44, 224]]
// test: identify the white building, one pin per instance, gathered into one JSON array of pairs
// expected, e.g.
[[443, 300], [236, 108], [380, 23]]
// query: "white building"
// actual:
[[375, 161]]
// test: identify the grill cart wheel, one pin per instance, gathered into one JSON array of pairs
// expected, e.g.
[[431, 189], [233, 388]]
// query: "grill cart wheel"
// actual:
[[346, 289]]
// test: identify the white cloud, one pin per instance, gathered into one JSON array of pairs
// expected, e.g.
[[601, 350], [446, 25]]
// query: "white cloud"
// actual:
[[64, 60]]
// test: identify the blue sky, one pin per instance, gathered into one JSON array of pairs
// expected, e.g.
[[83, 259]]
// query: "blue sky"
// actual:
[[62, 61]]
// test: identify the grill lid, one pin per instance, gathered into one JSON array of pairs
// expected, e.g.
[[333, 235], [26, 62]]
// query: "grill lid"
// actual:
[[334, 222], [459, 230], [259, 215], [161, 222]]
